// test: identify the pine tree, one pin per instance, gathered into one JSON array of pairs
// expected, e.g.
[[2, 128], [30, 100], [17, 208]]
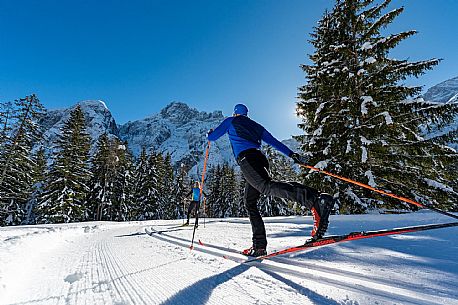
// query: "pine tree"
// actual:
[[101, 185], [39, 176], [357, 116], [213, 201], [6, 121], [140, 176], [224, 198], [123, 182], [167, 204], [146, 188], [19, 132], [66, 186], [179, 192], [229, 203]]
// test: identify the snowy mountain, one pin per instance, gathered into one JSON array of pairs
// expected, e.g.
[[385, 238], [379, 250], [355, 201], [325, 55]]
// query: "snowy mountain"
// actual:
[[181, 131], [445, 92], [98, 118], [177, 129]]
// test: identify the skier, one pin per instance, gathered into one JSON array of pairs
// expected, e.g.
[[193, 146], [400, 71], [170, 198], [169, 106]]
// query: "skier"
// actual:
[[245, 136], [195, 202]]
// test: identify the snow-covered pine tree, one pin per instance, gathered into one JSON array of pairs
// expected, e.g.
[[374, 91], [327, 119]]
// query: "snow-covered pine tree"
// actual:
[[6, 121], [147, 186], [230, 201], [123, 182], [140, 175], [20, 131], [66, 186], [101, 186], [358, 119], [223, 192], [39, 176], [180, 190], [214, 187], [168, 205]]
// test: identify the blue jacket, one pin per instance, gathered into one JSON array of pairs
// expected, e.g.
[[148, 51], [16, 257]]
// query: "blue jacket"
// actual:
[[195, 191], [244, 133]]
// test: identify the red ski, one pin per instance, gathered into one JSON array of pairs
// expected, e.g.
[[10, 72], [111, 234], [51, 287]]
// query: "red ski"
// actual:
[[327, 240]]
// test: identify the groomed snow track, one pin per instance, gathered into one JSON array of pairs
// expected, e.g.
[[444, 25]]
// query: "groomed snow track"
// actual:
[[118, 263]]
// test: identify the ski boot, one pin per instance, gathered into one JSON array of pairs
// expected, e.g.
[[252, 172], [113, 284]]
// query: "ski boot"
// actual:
[[254, 252], [321, 210]]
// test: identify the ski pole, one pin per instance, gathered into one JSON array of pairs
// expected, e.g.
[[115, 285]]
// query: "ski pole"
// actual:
[[205, 211], [380, 191], [200, 193]]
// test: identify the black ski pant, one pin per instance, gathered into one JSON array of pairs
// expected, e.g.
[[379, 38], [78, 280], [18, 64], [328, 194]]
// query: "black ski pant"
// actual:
[[193, 204], [254, 166]]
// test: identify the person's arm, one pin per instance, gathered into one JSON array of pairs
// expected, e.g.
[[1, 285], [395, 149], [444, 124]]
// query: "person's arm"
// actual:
[[269, 139], [219, 131]]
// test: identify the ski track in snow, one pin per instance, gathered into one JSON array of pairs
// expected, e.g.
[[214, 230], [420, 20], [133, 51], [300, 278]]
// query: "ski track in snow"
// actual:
[[119, 264]]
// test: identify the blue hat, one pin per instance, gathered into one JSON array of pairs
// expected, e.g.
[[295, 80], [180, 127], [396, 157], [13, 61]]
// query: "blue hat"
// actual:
[[240, 109]]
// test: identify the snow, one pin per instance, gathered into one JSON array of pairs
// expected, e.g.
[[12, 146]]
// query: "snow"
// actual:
[[117, 263], [71, 278], [442, 92], [370, 60], [438, 185], [348, 149], [321, 165], [366, 101], [453, 99], [370, 177], [318, 110], [363, 154], [366, 46], [318, 131], [388, 119]]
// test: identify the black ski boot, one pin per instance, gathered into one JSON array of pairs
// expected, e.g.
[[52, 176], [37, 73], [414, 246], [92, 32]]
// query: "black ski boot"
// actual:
[[254, 252], [321, 210]]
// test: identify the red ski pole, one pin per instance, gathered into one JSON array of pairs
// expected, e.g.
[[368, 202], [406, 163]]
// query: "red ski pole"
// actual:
[[380, 191]]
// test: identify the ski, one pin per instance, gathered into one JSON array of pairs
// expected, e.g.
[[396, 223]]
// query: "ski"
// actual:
[[328, 240], [154, 231]]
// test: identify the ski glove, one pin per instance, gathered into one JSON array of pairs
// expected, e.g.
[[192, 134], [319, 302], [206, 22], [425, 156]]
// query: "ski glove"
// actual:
[[299, 159], [209, 132]]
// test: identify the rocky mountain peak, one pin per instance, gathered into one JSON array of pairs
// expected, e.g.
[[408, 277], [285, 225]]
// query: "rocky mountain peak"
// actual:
[[180, 113]]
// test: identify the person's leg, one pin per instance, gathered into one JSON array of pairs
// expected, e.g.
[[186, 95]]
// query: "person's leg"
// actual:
[[250, 198], [254, 166], [197, 204], [190, 207]]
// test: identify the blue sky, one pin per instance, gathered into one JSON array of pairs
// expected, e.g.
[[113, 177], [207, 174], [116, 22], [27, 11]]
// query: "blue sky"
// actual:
[[138, 56]]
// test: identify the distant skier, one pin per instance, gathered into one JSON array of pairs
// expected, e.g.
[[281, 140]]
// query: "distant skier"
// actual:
[[195, 202], [245, 136]]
